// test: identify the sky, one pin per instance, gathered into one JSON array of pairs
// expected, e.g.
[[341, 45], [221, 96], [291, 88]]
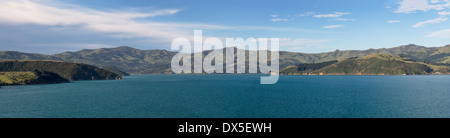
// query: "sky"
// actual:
[[307, 26]]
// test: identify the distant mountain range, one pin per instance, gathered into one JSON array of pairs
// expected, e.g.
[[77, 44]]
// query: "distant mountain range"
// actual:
[[125, 58], [135, 61], [374, 64]]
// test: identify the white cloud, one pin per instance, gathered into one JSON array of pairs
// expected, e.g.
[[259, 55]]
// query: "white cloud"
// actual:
[[342, 13], [274, 15], [411, 6], [275, 29], [345, 20], [433, 21], [443, 13], [435, 1], [333, 26], [393, 21], [278, 20], [440, 34], [333, 15]]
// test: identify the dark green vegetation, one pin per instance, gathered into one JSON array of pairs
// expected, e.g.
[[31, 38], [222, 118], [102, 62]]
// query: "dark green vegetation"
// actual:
[[374, 64], [56, 70], [135, 61]]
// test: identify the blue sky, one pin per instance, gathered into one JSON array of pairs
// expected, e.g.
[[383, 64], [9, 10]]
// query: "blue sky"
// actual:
[[309, 26]]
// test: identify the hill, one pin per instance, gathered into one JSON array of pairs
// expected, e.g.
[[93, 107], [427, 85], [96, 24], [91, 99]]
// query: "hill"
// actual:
[[135, 61], [415, 52], [374, 64], [67, 70]]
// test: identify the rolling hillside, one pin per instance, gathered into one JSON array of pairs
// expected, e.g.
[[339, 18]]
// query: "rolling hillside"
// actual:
[[374, 64]]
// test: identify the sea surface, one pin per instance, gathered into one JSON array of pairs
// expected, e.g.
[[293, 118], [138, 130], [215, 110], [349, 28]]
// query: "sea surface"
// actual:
[[233, 96]]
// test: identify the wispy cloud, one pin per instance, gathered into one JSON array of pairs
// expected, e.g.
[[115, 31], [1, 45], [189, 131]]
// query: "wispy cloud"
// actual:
[[411, 6], [75, 45], [435, 1], [31, 12], [279, 20], [120, 24], [393, 21], [138, 25], [333, 15], [275, 18], [443, 13], [306, 14], [343, 19], [433, 21], [333, 26], [274, 15], [440, 34]]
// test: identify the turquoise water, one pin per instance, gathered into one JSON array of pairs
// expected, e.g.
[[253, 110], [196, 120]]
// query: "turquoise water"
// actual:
[[233, 96]]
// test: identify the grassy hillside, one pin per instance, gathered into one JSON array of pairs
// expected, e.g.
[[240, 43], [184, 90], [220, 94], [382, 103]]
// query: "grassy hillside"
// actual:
[[16, 78], [374, 64], [36, 77], [67, 70]]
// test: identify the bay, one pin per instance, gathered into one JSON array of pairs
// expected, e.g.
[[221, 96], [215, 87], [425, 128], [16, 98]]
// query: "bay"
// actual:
[[233, 96]]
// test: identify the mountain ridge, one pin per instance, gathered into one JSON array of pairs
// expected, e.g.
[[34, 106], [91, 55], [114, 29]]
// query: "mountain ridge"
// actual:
[[136, 61]]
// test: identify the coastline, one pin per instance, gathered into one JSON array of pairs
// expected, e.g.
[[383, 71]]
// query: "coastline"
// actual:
[[354, 74]]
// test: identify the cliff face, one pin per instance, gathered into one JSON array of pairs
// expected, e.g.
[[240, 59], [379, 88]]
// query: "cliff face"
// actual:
[[66, 70], [44, 77]]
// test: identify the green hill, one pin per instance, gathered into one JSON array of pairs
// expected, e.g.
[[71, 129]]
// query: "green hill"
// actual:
[[127, 59], [67, 70], [374, 64], [415, 52]]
